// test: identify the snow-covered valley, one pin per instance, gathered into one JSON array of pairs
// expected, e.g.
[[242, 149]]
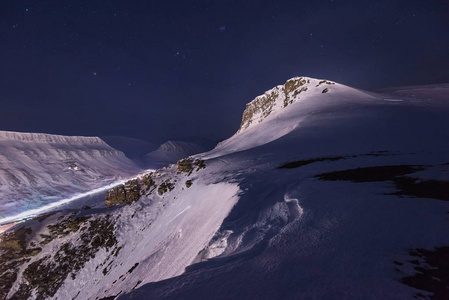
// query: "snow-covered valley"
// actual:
[[39, 169], [325, 192]]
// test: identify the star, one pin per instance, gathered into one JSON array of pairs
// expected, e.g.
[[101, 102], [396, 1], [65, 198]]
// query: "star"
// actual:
[[95, 73], [222, 28]]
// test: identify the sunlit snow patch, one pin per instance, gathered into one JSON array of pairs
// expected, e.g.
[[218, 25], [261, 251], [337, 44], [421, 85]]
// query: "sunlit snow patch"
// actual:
[[37, 211]]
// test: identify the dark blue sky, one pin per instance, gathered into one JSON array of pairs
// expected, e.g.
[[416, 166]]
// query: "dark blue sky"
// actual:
[[161, 70]]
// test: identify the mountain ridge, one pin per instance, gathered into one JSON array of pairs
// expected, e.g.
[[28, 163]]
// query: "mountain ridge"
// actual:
[[40, 168], [319, 200]]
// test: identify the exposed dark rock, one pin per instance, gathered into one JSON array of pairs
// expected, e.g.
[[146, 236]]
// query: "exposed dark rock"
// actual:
[[300, 163], [86, 207], [407, 186], [200, 164], [293, 85], [125, 193], [45, 276], [189, 165], [63, 228], [116, 195], [109, 297], [324, 81], [432, 272], [370, 174], [133, 267], [165, 187], [264, 104], [138, 282], [325, 90], [185, 165], [188, 183], [13, 254], [435, 189], [148, 181], [132, 191]]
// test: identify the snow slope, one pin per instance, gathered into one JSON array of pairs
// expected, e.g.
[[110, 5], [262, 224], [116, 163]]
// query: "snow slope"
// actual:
[[327, 197], [37, 169], [293, 236]]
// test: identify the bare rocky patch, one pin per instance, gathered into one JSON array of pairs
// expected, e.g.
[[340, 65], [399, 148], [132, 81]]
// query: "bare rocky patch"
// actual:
[[124, 194], [432, 272], [370, 174], [300, 163], [406, 185], [44, 276], [14, 253], [189, 165]]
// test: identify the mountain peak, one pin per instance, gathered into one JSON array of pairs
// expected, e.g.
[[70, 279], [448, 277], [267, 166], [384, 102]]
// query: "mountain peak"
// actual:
[[170, 151], [280, 97]]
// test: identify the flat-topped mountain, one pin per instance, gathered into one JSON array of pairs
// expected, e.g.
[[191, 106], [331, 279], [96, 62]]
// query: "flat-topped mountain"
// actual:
[[37, 168]]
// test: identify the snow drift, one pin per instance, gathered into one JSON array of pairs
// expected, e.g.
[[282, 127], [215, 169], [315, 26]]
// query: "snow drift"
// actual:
[[325, 192]]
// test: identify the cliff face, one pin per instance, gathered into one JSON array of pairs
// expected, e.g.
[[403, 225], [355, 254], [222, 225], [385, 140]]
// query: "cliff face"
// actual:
[[125, 193], [280, 97]]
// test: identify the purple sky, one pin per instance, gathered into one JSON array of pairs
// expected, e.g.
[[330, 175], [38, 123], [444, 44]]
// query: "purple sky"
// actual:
[[160, 70]]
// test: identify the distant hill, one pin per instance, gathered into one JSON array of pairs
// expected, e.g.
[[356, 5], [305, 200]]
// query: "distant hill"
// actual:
[[170, 152], [38, 168], [133, 148]]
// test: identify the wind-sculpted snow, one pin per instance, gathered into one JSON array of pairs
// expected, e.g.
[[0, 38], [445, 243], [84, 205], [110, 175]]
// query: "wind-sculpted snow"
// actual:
[[337, 195], [161, 232], [286, 107], [292, 235], [37, 169]]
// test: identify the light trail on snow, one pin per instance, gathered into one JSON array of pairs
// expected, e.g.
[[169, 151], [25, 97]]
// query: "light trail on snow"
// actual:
[[38, 211]]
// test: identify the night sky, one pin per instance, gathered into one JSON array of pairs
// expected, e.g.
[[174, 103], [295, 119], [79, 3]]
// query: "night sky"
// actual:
[[160, 70]]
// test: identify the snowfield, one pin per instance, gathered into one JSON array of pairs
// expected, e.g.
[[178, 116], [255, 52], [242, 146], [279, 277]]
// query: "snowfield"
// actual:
[[37, 169], [325, 192]]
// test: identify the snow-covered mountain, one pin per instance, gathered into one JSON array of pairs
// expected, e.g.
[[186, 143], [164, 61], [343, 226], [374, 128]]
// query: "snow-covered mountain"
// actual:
[[37, 168], [170, 151], [133, 148], [325, 192]]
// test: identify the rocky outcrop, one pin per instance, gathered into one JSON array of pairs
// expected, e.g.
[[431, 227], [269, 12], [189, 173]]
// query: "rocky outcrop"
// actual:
[[123, 194], [280, 97], [165, 187], [148, 181], [132, 191], [13, 253], [44, 276], [115, 196], [188, 165]]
